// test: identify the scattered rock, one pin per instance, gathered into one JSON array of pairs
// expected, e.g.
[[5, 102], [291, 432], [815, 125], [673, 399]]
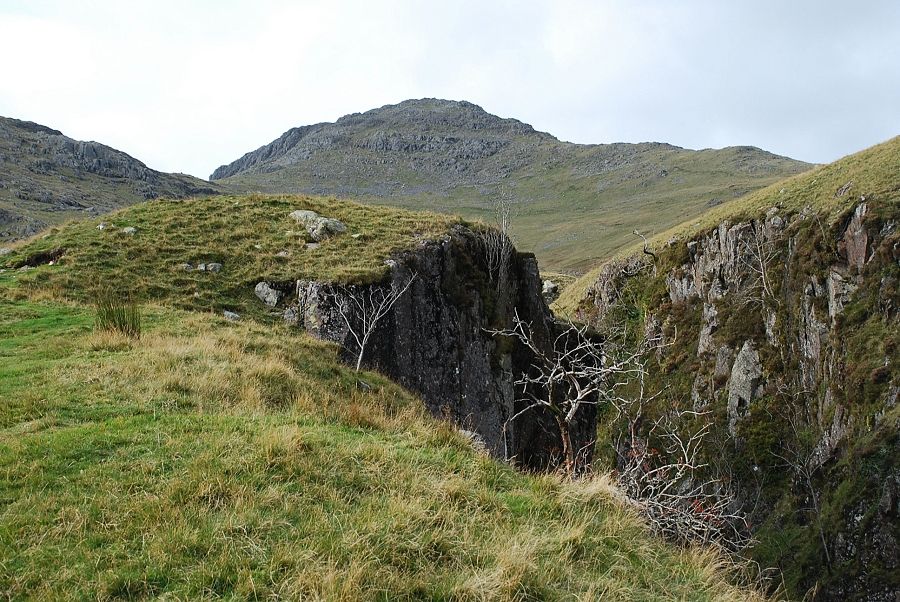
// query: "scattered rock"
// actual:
[[318, 227], [5, 251], [356, 236], [130, 230], [230, 315], [26, 268], [267, 294], [102, 226], [474, 439], [201, 267], [187, 267], [843, 189], [708, 325], [363, 386], [214, 267], [312, 246], [291, 316], [550, 290], [282, 254]]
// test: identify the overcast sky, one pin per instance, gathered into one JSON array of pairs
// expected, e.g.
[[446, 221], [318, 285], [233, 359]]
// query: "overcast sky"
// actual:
[[187, 86]]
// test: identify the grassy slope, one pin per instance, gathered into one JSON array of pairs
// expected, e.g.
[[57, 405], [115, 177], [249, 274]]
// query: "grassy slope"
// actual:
[[213, 459], [871, 172], [244, 234], [572, 209]]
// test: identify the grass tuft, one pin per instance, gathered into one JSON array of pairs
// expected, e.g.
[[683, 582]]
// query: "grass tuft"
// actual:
[[117, 314]]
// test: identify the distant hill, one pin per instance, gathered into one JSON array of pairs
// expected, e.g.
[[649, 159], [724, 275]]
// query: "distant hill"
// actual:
[[575, 204], [47, 178]]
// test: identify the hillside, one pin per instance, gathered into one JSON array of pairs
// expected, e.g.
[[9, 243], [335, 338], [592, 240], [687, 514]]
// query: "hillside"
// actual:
[[780, 316], [47, 178], [252, 239], [573, 204], [243, 459]]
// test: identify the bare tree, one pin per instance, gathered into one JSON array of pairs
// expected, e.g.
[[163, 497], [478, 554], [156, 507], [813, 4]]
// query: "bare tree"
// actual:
[[759, 253], [364, 307], [574, 371], [647, 250], [669, 487], [497, 243]]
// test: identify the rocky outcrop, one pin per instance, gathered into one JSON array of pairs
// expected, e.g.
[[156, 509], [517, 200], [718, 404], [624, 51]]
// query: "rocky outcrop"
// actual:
[[437, 340], [783, 329], [744, 385]]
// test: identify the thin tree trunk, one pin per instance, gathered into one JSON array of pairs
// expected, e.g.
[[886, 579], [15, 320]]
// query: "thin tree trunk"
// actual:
[[568, 452]]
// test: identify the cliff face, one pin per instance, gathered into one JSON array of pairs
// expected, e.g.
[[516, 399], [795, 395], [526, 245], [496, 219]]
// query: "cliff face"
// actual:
[[783, 328], [437, 341]]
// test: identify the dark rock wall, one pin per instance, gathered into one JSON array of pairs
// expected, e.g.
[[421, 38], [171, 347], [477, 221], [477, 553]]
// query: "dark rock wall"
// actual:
[[437, 341]]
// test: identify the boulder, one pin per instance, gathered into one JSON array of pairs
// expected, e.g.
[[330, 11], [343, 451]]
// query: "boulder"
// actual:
[[291, 316], [267, 294], [318, 227], [214, 267], [550, 291], [230, 315]]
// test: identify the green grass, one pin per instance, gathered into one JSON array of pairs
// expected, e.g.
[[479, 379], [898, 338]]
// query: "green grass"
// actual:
[[211, 459], [244, 234]]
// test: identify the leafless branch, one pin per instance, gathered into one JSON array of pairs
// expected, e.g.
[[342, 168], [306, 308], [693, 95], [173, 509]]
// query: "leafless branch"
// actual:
[[362, 307]]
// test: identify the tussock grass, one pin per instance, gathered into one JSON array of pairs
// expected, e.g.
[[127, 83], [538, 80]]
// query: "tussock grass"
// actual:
[[116, 313], [233, 460]]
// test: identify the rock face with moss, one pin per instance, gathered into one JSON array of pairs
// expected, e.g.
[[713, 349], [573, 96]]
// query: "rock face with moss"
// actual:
[[437, 339], [782, 325]]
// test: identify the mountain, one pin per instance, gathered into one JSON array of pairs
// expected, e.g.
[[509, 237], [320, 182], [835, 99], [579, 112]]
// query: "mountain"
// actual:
[[574, 204], [780, 314], [47, 178]]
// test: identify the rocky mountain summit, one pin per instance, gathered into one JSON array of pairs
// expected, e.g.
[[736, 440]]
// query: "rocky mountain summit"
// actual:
[[47, 177], [573, 202]]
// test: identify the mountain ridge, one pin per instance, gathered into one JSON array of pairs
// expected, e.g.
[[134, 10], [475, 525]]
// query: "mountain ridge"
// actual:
[[453, 156], [47, 177]]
